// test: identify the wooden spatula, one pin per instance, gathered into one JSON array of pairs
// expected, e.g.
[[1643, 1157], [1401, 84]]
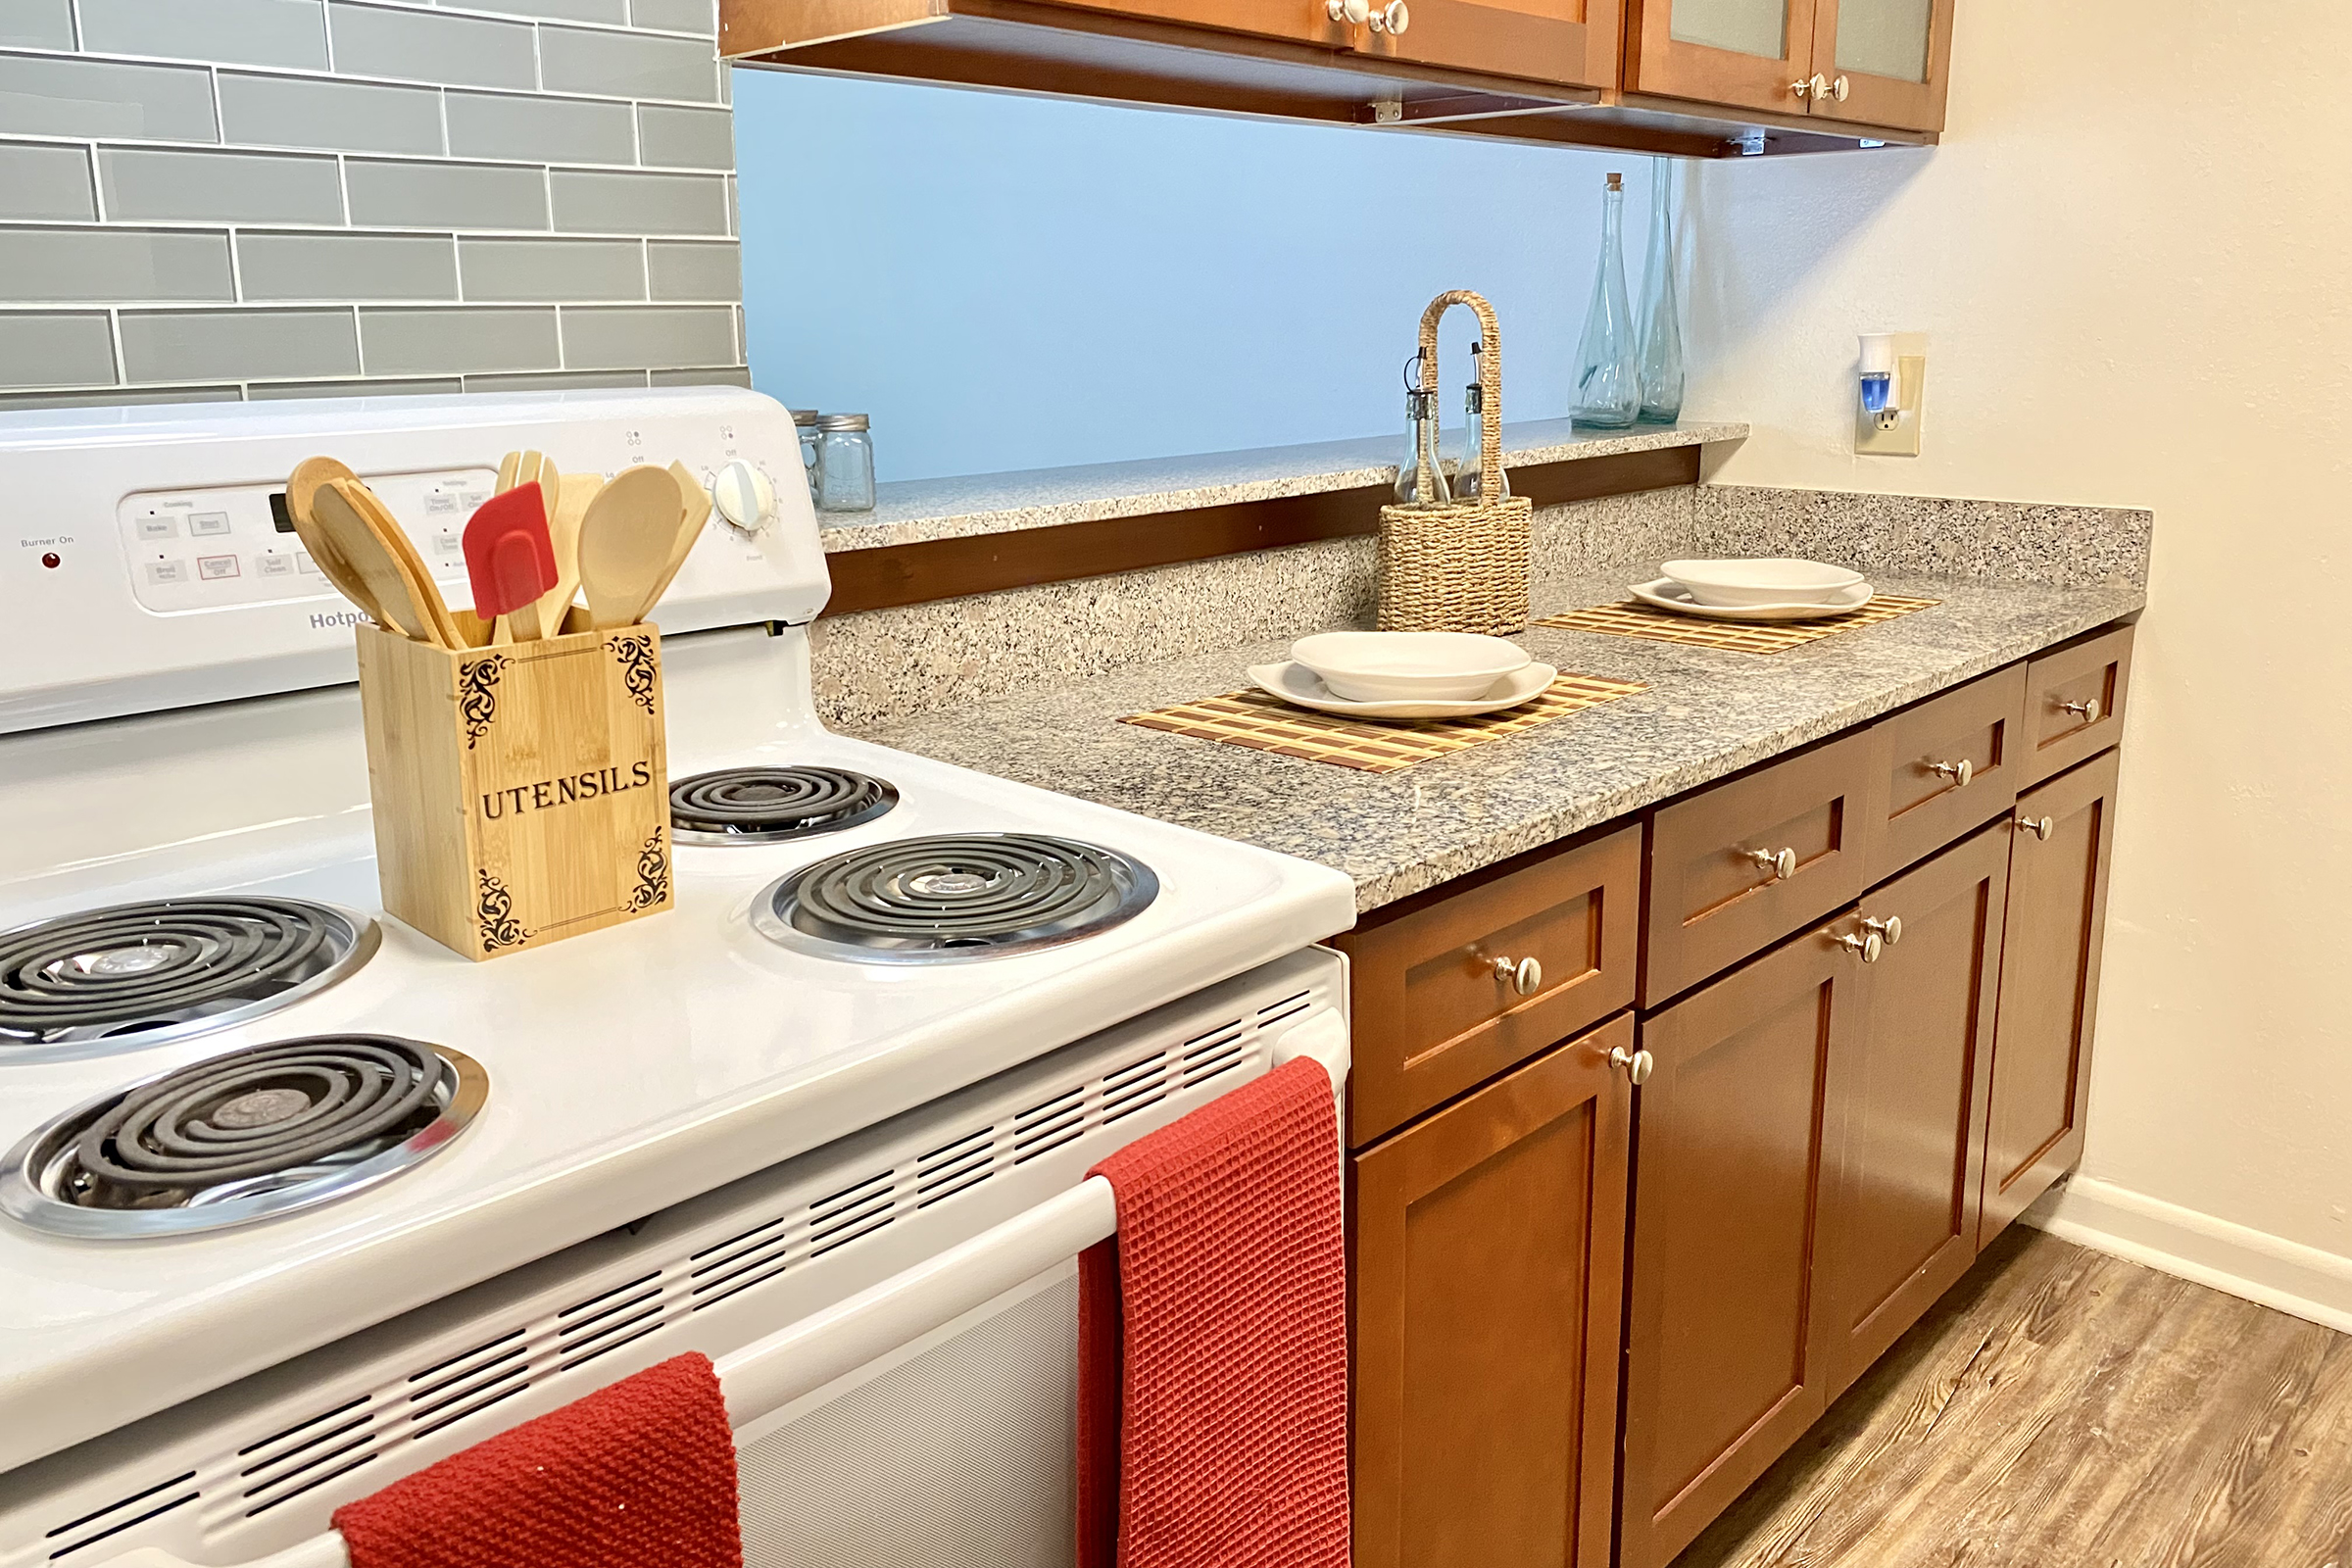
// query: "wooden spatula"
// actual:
[[626, 538], [395, 599], [508, 557], [441, 626], [301, 486]]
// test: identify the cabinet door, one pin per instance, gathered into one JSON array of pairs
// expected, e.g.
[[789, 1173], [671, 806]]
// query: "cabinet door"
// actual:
[[1888, 62], [1728, 1355], [1488, 1281], [2049, 988], [1568, 42], [1747, 52], [1914, 1091]]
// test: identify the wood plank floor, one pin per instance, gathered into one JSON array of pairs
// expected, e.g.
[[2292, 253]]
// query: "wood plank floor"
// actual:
[[2061, 1408]]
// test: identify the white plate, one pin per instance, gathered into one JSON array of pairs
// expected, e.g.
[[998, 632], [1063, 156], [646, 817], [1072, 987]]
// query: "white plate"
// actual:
[[1764, 581], [1398, 667], [1297, 684], [1667, 594]]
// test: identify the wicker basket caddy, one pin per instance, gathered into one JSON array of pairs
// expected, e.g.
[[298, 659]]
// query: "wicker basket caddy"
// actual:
[[1459, 565]]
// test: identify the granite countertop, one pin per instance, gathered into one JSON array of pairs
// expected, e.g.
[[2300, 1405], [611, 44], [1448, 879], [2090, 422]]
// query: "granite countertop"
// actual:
[[909, 512], [1706, 713]]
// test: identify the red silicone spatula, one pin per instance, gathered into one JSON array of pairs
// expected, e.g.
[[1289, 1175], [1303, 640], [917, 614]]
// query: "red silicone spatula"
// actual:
[[509, 558]]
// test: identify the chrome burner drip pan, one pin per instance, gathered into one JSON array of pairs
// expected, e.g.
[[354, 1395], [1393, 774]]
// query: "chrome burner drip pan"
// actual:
[[140, 974], [953, 897], [243, 1136], [773, 804]]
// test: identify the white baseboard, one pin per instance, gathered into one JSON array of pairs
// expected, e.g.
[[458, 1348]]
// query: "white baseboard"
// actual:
[[2289, 1276]]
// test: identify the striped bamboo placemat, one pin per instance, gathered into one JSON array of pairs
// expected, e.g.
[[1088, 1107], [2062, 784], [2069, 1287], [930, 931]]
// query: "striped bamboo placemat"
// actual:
[[1636, 620], [1266, 723]]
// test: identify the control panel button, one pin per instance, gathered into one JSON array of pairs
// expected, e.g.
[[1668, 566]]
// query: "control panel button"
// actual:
[[306, 566], [159, 527], [164, 571], [212, 568], [447, 543], [274, 565], [207, 523]]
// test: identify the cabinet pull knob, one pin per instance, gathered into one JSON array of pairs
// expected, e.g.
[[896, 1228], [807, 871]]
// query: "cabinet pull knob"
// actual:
[[2040, 827], [1801, 87], [1837, 87], [1960, 773], [1868, 944], [2089, 709], [1891, 928], [1637, 1064], [1780, 864], [1391, 18], [1522, 975], [1352, 12]]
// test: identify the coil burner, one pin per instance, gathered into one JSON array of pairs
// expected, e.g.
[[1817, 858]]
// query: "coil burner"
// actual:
[[954, 897], [253, 1133], [773, 804]]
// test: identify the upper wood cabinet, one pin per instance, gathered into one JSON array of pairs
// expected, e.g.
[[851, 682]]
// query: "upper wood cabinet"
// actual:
[[1870, 61]]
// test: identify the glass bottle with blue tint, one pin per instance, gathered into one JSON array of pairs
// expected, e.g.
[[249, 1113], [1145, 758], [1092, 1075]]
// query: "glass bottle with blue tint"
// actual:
[[1661, 315], [1608, 376]]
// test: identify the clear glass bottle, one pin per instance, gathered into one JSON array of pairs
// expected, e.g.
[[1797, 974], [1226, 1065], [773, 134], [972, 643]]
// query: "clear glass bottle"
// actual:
[[803, 423], [1421, 455], [1608, 395], [844, 464], [1661, 315], [1469, 446]]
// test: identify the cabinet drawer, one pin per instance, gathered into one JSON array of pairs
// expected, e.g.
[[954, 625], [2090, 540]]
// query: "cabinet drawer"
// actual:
[[1716, 895], [2074, 704], [1435, 1015], [1942, 768]]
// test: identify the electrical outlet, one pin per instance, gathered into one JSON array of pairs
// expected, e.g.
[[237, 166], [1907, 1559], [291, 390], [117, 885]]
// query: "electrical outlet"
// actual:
[[1893, 432]]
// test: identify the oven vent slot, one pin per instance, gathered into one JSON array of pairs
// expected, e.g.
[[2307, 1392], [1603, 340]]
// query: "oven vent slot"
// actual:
[[118, 1516], [1287, 1008], [946, 1171], [1049, 1126], [608, 1320], [1207, 1055], [316, 1449], [1135, 1088]]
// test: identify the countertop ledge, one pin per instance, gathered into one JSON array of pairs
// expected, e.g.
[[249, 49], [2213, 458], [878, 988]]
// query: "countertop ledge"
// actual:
[[912, 511], [1706, 713]]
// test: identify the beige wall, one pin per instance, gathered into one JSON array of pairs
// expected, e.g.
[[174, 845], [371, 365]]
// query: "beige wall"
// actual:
[[2133, 256]]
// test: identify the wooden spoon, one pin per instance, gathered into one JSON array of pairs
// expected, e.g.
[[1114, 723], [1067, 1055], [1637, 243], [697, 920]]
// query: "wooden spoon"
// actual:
[[394, 598], [301, 487], [695, 511], [626, 538], [440, 626]]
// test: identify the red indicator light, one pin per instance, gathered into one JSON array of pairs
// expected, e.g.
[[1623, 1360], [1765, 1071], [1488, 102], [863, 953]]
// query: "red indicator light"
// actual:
[[53, 561]]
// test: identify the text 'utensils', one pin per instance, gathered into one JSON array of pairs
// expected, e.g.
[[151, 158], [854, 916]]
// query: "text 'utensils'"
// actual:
[[509, 558]]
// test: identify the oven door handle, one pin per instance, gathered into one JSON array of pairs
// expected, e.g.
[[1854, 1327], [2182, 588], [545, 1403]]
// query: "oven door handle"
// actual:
[[804, 1356]]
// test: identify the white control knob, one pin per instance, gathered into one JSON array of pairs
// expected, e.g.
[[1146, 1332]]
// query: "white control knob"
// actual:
[[744, 496]]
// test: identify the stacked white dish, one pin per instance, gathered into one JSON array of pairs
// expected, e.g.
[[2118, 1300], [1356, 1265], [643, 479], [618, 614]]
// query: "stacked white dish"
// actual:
[[1405, 675], [1769, 588]]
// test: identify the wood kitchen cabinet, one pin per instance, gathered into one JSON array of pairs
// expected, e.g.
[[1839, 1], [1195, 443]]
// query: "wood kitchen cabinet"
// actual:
[[2063, 837], [1487, 1260], [1872, 61]]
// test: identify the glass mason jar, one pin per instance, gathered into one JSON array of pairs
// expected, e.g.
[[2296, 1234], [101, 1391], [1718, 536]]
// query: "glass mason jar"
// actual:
[[844, 464], [803, 423]]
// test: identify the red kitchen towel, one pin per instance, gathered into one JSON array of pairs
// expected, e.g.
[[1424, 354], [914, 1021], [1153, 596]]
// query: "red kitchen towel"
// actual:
[[1213, 1342], [640, 1474]]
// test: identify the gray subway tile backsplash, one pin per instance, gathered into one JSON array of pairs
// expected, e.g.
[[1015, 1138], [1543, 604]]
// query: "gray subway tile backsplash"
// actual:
[[58, 95], [43, 348], [347, 266], [599, 338], [367, 195], [221, 32], [144, 184], [238, 345], [619, 64], [350, 117], [595, 271], [114, 266], [45, 183], [530, 128], [386, 195], [431, 46], [596, 202], [443, 342]]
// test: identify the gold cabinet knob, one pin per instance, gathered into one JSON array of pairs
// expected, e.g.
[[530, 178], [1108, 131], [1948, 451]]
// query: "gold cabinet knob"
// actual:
[[1522, 975], [1635, 1064], [1867, 945], [1961, 773], [2040, 827], [1801, 87], [2089, 709], [1391, 18], [1352, 12], [1837, 87], [1891, 929], [1780, 863]]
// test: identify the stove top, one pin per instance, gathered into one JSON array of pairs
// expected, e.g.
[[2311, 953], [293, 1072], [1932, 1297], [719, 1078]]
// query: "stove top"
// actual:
[[139, 974], [773, 804], [954, 897], [243, 1136]]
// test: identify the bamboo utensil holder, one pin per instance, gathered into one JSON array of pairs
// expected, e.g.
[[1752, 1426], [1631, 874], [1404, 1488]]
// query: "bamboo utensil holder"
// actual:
[[521, 792], [1459, 565]]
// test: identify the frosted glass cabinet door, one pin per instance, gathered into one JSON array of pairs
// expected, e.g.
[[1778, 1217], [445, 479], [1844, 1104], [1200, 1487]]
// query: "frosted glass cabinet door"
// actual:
[[1746, 52], [1565, 42], [1888, 62]]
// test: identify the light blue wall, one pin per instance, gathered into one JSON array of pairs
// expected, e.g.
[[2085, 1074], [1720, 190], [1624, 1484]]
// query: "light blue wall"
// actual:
[[1006, 283]]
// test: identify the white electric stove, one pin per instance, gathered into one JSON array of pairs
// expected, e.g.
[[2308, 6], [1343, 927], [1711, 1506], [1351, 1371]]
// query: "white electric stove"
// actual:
[[181, 733]]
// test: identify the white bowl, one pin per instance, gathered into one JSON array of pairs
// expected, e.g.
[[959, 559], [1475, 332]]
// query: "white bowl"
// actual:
[[1769, 581], [1386, 667]]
